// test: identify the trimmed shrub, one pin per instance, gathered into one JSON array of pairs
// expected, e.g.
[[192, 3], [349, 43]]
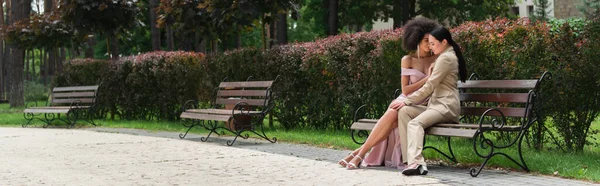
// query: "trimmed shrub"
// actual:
[[148, 86], [322, 83]]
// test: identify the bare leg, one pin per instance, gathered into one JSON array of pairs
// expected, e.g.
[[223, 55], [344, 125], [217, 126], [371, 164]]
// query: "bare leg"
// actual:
[[381, 131]]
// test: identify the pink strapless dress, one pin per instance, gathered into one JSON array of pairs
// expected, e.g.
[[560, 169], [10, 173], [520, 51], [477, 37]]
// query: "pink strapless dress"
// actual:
[[388, 152]]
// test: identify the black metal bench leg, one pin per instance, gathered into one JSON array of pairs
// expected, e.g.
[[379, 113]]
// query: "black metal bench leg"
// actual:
[[451, 157], [181, 136], [524, 166], [475, 172], [212, 129], [230, 142], [29, 117]]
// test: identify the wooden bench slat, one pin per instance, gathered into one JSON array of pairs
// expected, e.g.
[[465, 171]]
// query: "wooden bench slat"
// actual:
[[74, 94], [77, 88], [442, 131], [362, 126], [242, 93], [474, 126], [83, 100], [246, 84], [200, 116], [368, 120], [253, 102], [220, 111], [58, 107], [495, 97], [47, 110], [498, 84], [507, 111]]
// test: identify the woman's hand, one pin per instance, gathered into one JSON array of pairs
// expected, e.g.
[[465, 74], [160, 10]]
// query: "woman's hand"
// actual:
[[396, 105], [430, 70]]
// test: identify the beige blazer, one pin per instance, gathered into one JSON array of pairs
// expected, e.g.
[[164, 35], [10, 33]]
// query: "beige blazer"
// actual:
[[442, 86]]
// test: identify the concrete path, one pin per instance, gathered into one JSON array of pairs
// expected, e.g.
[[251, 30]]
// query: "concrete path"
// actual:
[[100, 156]]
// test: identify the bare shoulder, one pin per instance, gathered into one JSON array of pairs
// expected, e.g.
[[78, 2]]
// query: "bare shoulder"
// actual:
[[407, 62]]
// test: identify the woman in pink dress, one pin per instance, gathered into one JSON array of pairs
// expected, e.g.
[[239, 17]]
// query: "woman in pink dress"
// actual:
[[384, 142]]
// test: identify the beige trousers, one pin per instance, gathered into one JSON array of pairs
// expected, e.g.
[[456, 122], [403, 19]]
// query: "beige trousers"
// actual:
[[412, 122]]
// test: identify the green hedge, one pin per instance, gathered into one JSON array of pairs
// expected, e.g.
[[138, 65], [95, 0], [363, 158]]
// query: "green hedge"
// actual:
[[323, 82], [147, 86]]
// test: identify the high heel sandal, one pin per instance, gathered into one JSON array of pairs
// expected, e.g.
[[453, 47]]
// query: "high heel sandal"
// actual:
[[343, 162], [351, 164]]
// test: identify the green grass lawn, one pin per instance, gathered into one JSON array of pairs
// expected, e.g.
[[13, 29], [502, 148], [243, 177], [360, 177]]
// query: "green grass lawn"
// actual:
[[583, 165]]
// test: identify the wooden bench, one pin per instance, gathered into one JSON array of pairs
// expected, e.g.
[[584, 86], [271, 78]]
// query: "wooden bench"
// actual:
[[75, 102], [496, 114], [241, 106]]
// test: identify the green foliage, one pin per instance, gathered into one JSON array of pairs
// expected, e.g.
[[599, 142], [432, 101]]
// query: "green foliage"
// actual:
[[504, 49], [39, 31], [590, 8], [148, 86], [576, 25], [34, 91], [459, 11], [104, 16], [323, 82], [577, 82], [541, 12]]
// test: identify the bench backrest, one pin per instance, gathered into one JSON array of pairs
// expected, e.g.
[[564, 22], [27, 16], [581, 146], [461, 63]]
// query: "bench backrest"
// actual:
[[255, 93], [493, 94], [83, 95], [513, 98]]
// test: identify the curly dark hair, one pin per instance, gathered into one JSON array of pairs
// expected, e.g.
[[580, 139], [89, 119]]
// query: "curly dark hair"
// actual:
[[414, 31]]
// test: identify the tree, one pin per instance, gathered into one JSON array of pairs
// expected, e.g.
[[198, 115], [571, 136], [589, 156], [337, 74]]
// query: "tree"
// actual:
[[19, 11], [332, 18], [153, 26], [590, 8], [108, 17], [542, 10], [2, 61], [457, 11]]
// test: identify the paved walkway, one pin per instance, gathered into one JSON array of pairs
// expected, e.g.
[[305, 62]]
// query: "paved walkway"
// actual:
[[100, 156]]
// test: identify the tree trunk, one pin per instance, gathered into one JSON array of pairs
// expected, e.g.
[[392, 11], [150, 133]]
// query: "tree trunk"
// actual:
[[154, 29], [215, 46], [271, 34], [403, 11], [170, 40], [33, 74], [264, 32], [46, 66], [7, 50], [91, 42], [62, 59], [27, 75], [281, 27], [332, 18], [114, 46], [202, 45], [51, 61], [2, 61], [48, 4], [20, 10], [238, 40]]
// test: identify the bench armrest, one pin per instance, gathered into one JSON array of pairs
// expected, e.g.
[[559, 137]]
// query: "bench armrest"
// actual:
[[31, 104], [496, 124], [190, 104], [365, 111]]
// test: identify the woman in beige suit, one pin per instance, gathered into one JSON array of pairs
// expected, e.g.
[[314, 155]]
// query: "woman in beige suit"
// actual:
[[443, 105]]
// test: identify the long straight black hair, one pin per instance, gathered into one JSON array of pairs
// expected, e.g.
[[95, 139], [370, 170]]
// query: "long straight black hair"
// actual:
[[441, 33]]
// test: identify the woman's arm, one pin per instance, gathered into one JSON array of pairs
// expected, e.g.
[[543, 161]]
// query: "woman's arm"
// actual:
[[406, 87]]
